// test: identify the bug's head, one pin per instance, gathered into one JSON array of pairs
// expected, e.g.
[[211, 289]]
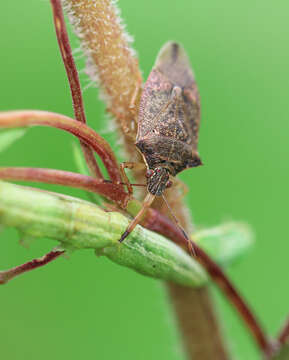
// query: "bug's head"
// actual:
[[158, 180]]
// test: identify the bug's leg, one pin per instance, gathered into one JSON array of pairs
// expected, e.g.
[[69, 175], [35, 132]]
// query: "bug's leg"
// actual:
[[129, 165], [188, 240], [146, 204]]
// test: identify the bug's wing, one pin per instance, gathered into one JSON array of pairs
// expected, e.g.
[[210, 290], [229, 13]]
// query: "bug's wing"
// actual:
[[173, 62], [172, 69], [154, 98]]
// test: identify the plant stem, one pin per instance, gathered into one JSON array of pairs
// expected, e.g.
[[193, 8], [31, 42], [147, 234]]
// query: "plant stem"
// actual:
[[73, 79], [198, 321], [59, 177], [13, 119], [8, 275], [78, 224]]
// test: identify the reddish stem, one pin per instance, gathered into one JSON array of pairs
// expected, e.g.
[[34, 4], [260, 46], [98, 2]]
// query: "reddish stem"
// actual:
[[14, 119], [7, 275], [73, 79], [109, 190], [237, 301], [161, 224], [283, 337], [157, 222]]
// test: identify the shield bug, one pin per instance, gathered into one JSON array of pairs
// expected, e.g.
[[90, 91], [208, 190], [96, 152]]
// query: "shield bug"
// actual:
[[168, 124]]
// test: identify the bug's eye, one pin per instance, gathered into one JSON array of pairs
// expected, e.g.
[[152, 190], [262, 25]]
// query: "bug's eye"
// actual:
[[169, 184], [149, 173]]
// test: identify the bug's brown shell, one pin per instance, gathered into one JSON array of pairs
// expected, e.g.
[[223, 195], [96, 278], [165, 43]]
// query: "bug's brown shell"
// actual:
[[169, 116]]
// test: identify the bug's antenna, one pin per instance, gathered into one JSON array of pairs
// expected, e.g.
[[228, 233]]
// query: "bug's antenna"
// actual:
[[122, 183], [189, 241]]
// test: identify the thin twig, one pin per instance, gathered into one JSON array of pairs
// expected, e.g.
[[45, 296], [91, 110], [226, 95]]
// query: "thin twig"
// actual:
[[7, 275], [59, 177], [73, 79], [13, 119]]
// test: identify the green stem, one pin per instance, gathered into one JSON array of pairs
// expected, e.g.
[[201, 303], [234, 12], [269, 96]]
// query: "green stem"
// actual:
[[78, 224]]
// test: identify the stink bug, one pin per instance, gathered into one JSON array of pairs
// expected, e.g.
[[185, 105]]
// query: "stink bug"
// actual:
[[168, 124]]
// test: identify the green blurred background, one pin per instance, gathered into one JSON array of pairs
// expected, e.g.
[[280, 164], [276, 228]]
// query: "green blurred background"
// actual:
[[86, 307]]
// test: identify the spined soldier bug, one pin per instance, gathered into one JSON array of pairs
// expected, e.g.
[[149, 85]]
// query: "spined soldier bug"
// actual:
[[168, 124]]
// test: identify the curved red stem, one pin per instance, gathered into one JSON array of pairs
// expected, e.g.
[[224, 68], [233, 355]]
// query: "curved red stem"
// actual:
[[12, 119], [109, 190], [7, 275]]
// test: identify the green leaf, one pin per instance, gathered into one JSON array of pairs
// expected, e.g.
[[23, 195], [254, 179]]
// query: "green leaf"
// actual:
[[8, 136]]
